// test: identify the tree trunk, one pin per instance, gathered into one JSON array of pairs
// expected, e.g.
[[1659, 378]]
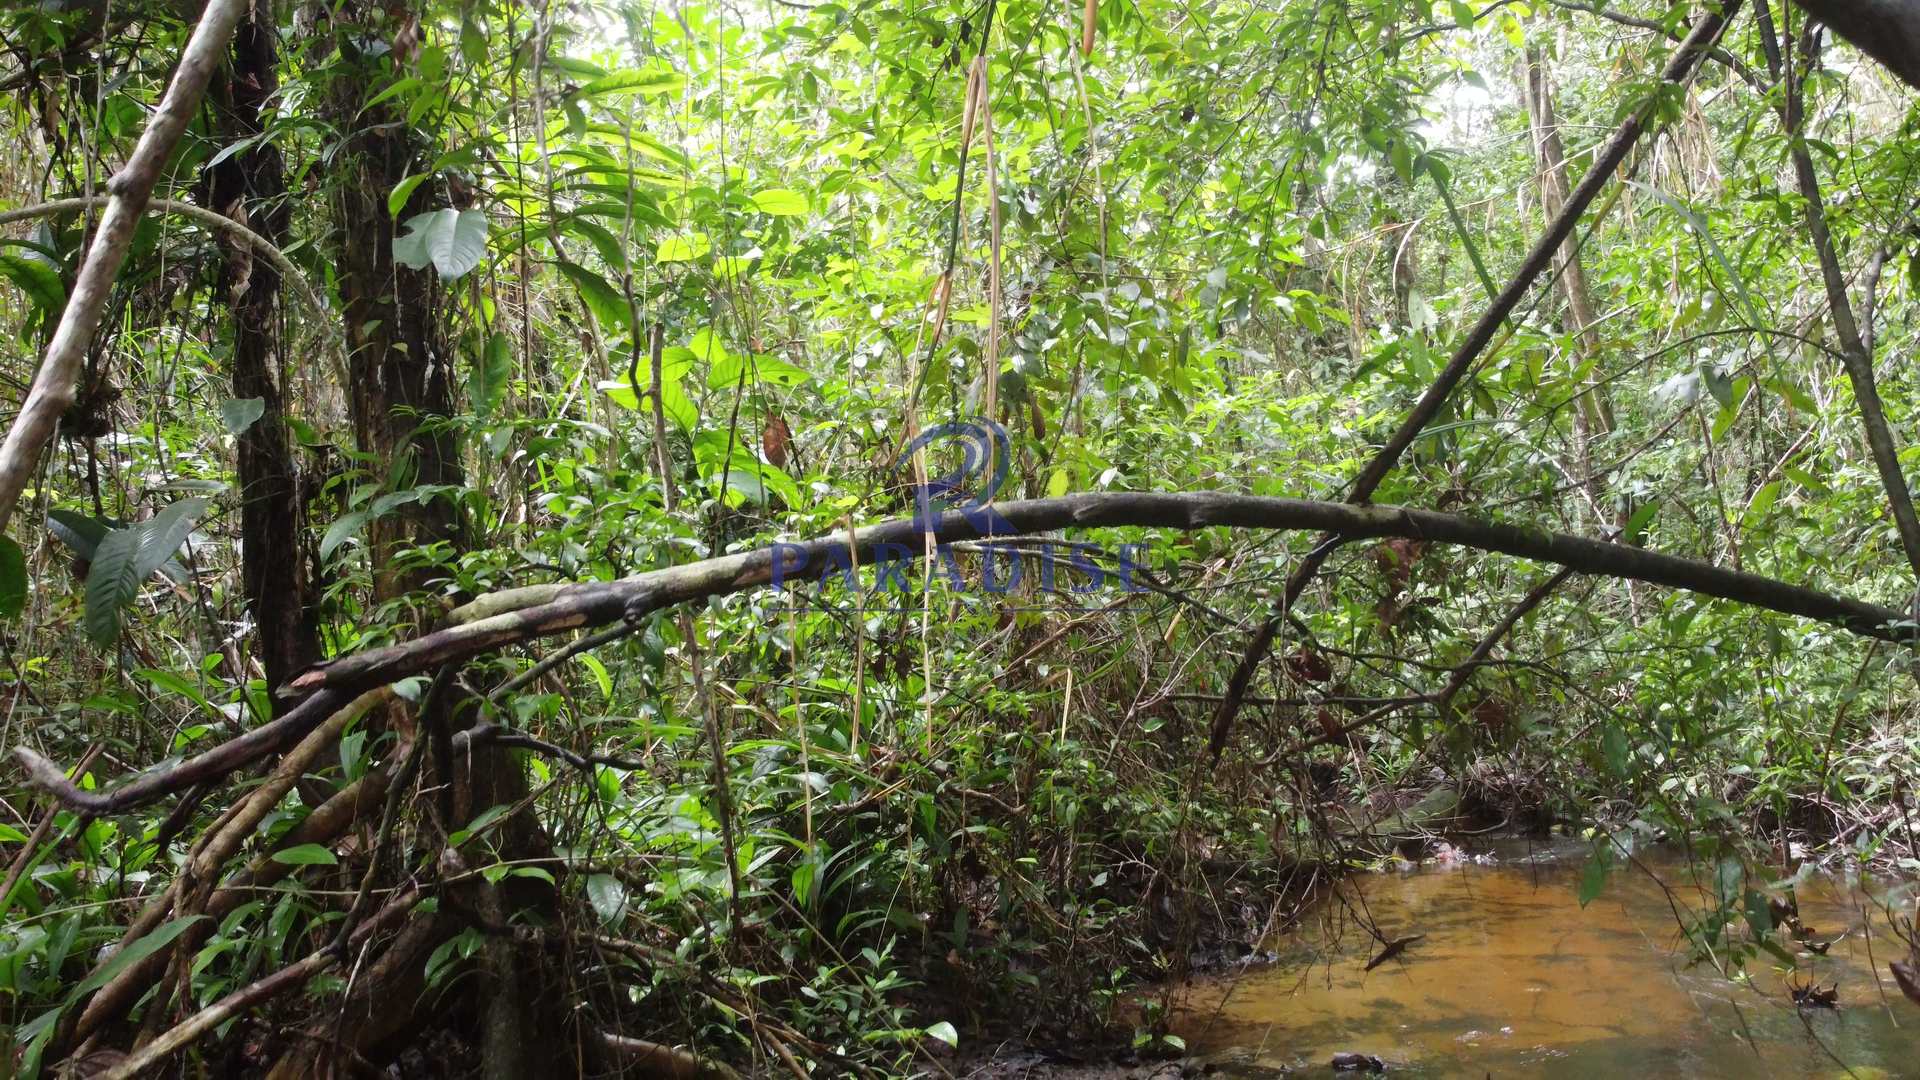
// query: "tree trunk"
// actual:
[[400, 371], [1593, 416], [251, 188], [1854, 355], [398, 363]]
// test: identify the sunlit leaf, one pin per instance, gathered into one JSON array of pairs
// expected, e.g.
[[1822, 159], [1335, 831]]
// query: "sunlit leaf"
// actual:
[[683, 248], [452, 241], [780, 202]]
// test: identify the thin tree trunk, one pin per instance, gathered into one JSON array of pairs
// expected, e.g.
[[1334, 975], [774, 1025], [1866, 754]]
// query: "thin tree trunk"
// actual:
[[251, 187], [1593, 414], [1854, 355]]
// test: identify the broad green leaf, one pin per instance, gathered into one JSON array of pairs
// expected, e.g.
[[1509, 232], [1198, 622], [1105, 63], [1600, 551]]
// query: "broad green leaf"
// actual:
[[620, 392], [452, 241], [239, 414], [781, 202], [945, 1032], [228, 151], [162, 535], [608, 897], [1795, 396], [601, 677], [678, 407], [306, 855], [132, 954], [728, 373], [174, 682], [629, 81], [343, 529], [609, 307], [402, 191], [38, 278], [492, 369], [675, 362], [757, 480], [1763, 501], [111, 583], [128, 556], [78, 531], [683, 248], [1636, 529], [707, 347], [13, 578]]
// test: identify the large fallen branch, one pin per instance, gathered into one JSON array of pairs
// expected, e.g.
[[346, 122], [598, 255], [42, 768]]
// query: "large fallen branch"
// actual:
[[547, 610]]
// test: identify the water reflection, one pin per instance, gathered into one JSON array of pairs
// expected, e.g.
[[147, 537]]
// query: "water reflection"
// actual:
[[1515, 979]]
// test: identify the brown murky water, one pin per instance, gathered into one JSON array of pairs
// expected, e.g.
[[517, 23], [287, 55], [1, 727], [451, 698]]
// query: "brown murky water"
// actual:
[[1515, 979]]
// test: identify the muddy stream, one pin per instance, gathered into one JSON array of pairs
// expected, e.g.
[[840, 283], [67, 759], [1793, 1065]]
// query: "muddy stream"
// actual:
[[1514, 978]]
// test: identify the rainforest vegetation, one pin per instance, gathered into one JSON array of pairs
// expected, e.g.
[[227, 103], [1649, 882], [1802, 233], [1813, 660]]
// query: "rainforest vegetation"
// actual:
[[686, 538]]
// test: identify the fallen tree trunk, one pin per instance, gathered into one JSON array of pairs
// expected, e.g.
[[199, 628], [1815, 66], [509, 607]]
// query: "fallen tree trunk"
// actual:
[[542, 611]]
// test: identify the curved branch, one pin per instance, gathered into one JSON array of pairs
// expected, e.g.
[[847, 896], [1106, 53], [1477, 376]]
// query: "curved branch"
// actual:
[[128, 193], [310, 296], [1716, 53], [294, 975], [573, 607], [201, 215]]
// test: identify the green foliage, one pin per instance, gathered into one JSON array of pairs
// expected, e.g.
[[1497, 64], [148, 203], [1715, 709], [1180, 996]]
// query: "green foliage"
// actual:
[[1235, 243]]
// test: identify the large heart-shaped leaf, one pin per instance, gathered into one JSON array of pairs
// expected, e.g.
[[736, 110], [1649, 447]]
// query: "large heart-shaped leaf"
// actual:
[[452, 241], [239, 414]]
